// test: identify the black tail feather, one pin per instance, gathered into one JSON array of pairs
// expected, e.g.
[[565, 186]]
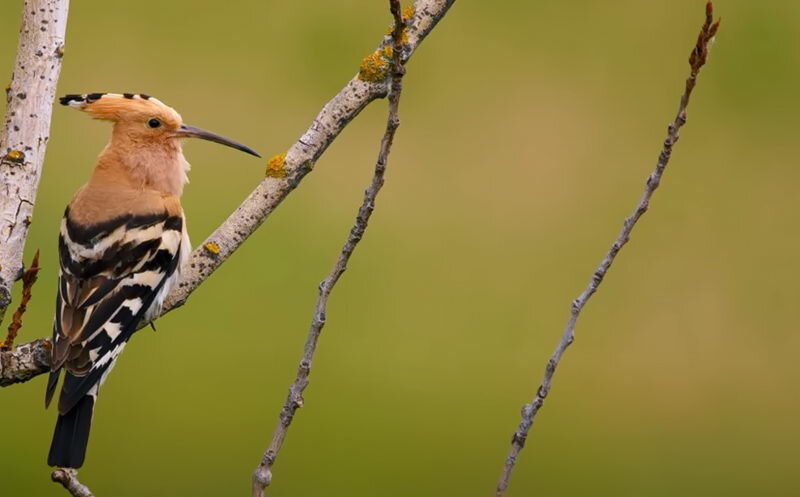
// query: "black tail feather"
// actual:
[[51, 387], [68, 449]]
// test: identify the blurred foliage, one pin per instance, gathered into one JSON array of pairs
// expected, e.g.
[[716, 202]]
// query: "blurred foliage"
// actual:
[[528, 130]]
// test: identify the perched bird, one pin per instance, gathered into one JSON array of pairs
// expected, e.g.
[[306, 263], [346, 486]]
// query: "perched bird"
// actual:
[[123, 238]]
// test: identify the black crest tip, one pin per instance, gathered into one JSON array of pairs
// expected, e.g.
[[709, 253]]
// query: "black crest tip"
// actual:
[[67, 99]]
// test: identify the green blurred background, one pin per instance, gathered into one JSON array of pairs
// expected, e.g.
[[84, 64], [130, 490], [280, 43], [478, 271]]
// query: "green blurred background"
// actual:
[[528, 130]]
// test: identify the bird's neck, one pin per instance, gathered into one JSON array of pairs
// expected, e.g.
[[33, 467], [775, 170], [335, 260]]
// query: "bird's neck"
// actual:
[[158, 166]]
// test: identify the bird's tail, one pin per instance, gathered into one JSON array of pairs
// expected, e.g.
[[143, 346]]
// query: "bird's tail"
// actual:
[[68, 449], [51, 387]]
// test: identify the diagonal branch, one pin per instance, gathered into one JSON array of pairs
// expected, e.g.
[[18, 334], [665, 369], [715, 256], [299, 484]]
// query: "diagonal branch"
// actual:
[[294, 400], [26, 130], [283, 176], [696, 61]]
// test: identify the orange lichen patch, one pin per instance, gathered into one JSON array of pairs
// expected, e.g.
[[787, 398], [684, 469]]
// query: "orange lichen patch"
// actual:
[[375, 66], [409, 12], [276, 166], [212, 247], [16, 156]]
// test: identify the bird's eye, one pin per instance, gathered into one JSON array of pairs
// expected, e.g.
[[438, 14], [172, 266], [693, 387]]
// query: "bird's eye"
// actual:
[[154, 123]]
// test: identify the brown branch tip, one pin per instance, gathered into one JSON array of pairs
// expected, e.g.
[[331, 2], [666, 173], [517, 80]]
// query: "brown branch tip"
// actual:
[[28, 280], [699, 55]]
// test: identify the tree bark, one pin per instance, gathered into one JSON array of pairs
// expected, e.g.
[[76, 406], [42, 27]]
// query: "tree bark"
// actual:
[[26, 130]]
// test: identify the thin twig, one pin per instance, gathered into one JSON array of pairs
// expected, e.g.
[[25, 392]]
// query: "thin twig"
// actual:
[[26, 129], [266, 197], [529, 411], [28, 280], [68, 478], [262, 476]]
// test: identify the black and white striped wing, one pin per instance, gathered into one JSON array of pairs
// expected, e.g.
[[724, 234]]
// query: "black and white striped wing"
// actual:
[[112, 274]]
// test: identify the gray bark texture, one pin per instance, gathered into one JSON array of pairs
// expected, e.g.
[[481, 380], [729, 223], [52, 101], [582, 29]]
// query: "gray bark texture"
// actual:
[[68, 478], [26, 130]]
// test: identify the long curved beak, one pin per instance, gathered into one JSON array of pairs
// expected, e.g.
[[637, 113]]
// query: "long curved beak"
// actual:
[[187, 131]]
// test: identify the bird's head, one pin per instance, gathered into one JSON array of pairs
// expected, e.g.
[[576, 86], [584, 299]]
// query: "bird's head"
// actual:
[[143, 119]]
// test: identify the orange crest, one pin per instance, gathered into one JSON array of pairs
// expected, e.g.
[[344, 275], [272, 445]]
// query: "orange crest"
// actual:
[[124, 107]]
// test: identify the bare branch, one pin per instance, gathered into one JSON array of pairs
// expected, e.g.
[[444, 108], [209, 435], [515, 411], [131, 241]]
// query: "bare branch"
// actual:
[[68, 478], [287, 172], [26, 131], [529, 411], [294, 400]]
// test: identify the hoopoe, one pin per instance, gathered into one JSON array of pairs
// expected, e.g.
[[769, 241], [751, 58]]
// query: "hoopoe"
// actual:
[[123, 239]]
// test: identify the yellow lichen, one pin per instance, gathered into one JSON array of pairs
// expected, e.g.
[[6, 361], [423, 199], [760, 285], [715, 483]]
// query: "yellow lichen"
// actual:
[[60, 51], [276, 166], [373, 67], [212, 247], [409, 12], [17, 156]]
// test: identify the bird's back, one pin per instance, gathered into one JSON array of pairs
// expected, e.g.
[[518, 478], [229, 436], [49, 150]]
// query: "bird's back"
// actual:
[[120, 251]]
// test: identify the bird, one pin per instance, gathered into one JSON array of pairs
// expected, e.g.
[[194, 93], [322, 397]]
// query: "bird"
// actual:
[[121, 244]]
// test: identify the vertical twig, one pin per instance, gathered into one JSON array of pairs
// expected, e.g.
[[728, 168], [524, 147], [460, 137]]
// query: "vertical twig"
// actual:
[[28, 279], [263, 473], [696, 60], [68, 478], [26, 129]]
